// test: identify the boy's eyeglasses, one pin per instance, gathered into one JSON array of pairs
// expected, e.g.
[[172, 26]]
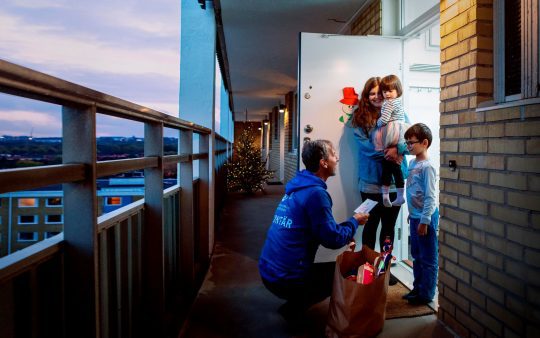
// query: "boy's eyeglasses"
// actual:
[[410, 143]]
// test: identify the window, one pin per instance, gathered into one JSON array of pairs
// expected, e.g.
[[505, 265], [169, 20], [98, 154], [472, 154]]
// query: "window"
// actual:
[[28, 202], [27, 236], [54, 219], [113, 201], [54, 202], [28, 219], [516, 41], [49, 234], [293, 124]]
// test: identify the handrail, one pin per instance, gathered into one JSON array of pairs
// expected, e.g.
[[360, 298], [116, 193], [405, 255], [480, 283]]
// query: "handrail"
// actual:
[[113, 217], [22, 81], [17, 179], [107, 168], [25, 259]]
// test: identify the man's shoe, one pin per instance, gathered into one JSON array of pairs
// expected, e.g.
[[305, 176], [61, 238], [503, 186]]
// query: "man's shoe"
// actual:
[[393, 280], [411, 294], [417, 300]]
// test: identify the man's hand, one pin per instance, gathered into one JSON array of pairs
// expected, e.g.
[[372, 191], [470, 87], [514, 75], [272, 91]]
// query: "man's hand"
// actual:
[[391, 154], [361, 218], [422, 229]]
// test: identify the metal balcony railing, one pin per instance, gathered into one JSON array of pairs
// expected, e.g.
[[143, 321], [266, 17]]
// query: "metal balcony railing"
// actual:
[[132, 272]]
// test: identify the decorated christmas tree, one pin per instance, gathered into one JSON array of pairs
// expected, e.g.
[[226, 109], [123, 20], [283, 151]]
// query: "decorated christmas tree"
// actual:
[[246, 172]]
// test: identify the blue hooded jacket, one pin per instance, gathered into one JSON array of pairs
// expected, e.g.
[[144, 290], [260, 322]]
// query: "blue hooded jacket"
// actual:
[[303, 221]]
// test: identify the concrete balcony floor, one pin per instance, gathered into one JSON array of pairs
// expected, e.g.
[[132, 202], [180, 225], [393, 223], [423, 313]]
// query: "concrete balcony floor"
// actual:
[[233, 302]]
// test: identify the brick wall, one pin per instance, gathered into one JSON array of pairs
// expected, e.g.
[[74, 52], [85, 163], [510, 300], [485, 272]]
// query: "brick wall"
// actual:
[[291, 155], [368, 22], [490, 206], [273, 160]]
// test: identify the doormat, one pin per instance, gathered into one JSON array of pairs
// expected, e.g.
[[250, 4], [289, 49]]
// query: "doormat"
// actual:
[[396, 307], [274, 183]]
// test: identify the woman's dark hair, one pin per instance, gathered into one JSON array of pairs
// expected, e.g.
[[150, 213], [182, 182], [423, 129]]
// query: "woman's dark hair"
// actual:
[[313, 152], [391, 82], [366, 115], [421, 131]]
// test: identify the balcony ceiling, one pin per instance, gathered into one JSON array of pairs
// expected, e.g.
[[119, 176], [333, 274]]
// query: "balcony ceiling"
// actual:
[[262, 45]]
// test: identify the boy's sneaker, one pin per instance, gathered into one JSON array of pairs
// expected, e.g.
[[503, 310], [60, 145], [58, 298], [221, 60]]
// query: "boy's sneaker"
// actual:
[[417, 300], [411, 294], [393, 280]]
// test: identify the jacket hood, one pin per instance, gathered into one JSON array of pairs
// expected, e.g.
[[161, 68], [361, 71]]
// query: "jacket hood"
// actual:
[[304, 179]]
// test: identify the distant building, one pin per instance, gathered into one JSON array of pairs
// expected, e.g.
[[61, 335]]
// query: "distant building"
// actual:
[[27, 217]]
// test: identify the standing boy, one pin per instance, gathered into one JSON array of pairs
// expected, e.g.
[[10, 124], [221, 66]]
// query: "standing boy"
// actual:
[[423, 215]]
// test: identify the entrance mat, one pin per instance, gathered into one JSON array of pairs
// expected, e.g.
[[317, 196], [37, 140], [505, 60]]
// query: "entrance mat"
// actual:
[[396, 307]]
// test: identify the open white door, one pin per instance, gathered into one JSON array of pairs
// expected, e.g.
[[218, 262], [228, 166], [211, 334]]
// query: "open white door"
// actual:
[[327, 64]]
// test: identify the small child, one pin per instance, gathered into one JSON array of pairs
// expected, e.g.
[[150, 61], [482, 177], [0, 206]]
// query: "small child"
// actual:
[[390, 129], [423, 215]]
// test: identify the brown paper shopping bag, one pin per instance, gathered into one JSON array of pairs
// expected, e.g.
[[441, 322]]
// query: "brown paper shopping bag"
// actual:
[[356, 310]]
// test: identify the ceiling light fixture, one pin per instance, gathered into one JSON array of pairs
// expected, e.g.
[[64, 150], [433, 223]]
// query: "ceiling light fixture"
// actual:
[[282, 108]]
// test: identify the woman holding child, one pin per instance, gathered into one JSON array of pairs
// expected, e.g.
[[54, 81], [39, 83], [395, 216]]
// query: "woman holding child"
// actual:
[[370, 164]]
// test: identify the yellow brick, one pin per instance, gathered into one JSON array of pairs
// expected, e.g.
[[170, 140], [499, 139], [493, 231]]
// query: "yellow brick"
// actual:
[[488, 130], [467, 31], [464, 5], [506, 146], [467, 88], [461, 160], [474, 101], [448, 199], [468, 59], [473, 146], [503, 114], [449, 92], [478, 72], [449, 119], [471, 117], [488, 194], [532, 110], [485, 29], [480, 42], [529, 164], [459, 132], [449, 40], [449, 66], [533, 146], [484, 13], [488, 162], [458, 188], [524, 200], [447, 3], [445, 172], [484, 58], [449, 13], [456, 22], [470, 175], [513, 181], [530, 128], [450, 146], [457, 216], [485, 86], [457, 50]]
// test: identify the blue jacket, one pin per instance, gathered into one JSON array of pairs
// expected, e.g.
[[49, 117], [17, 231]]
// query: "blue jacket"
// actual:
[[369, 162], [303, 221]]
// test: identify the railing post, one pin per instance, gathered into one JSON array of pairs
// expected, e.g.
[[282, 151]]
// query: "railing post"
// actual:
[[153, 247], [80, 233], [187, 263], [204, 209]]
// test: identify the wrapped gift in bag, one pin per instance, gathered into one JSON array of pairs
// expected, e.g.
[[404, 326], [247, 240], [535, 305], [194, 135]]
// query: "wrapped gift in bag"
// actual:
[[357, 310]]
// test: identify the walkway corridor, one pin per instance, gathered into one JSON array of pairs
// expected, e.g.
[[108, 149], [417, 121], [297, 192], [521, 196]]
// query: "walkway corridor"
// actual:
[[233, 302]]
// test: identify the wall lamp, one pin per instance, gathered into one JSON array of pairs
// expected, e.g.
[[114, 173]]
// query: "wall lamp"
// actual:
[[265, 122], [282, 108]]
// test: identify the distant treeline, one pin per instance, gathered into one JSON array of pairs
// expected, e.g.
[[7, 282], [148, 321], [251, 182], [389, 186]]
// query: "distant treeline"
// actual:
[[27, 153]]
